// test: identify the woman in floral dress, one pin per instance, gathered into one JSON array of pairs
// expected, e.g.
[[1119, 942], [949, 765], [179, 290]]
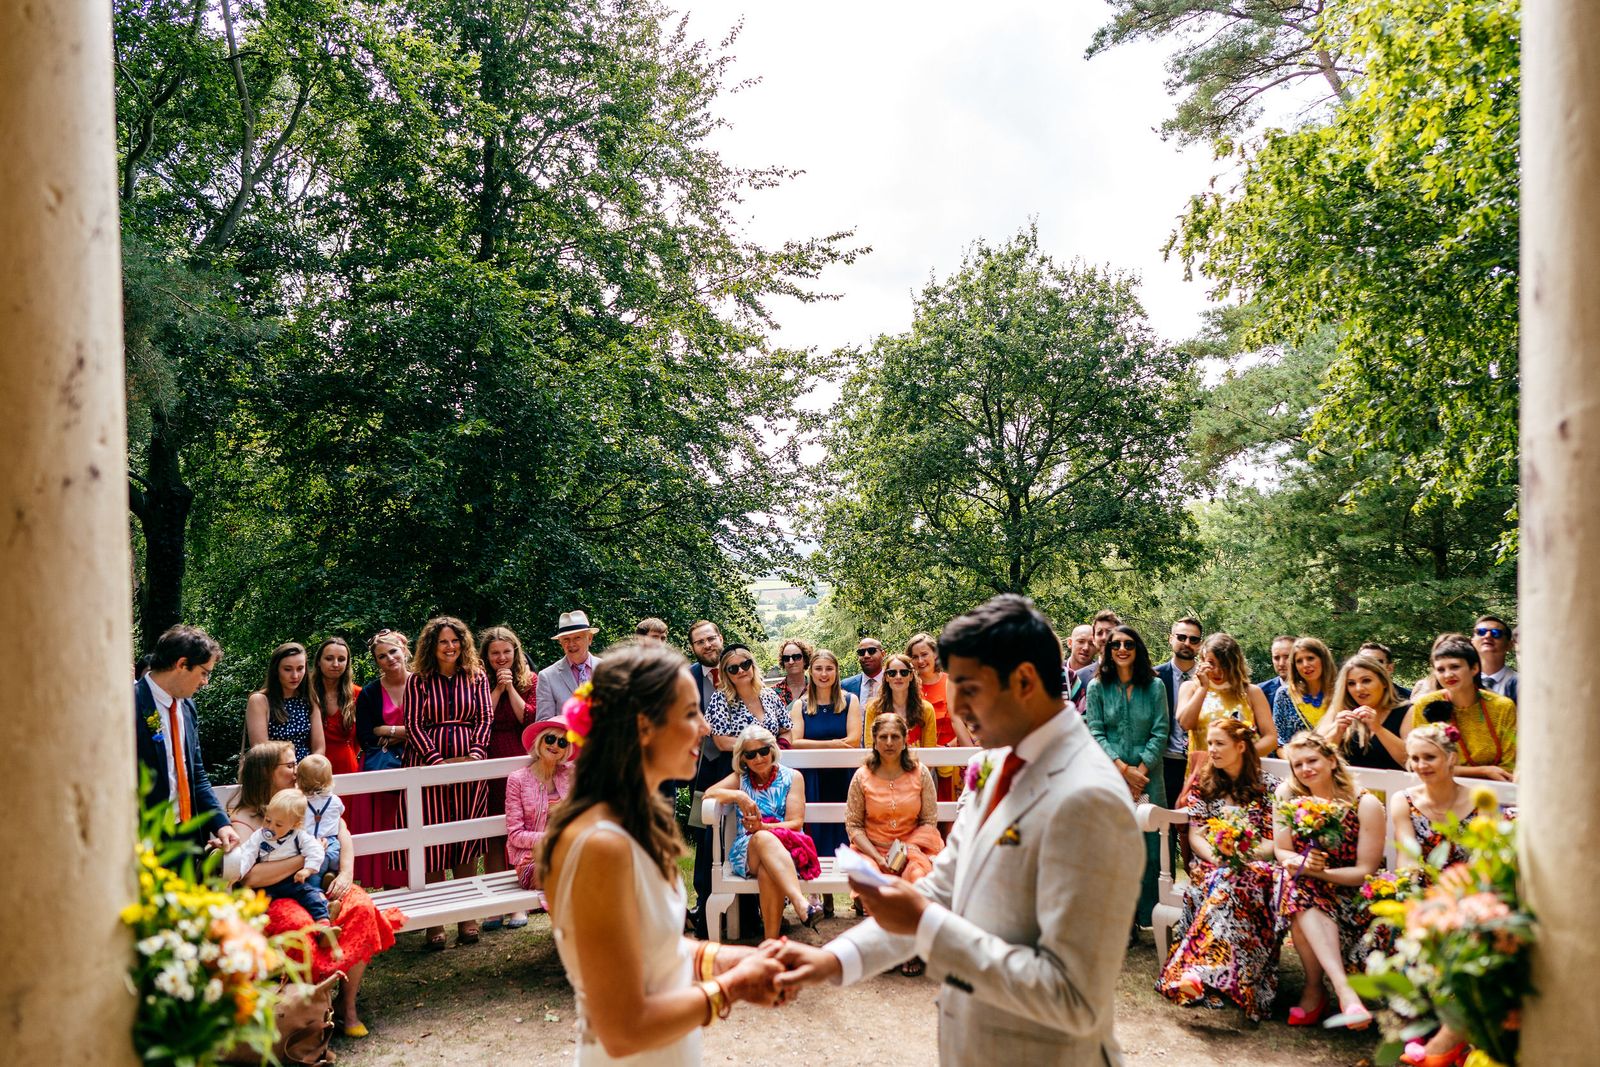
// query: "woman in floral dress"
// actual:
[[1229, 948], [1319, 892]]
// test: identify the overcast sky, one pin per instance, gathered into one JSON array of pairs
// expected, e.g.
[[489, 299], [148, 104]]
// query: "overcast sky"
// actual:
[[927, 125]]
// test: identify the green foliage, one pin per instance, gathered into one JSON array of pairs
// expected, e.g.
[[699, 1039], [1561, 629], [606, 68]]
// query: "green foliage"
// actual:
[[1395, 225], [1012, 441]]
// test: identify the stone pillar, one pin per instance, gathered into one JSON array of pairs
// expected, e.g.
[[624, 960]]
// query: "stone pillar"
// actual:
[[66, 727], [1559, 727]]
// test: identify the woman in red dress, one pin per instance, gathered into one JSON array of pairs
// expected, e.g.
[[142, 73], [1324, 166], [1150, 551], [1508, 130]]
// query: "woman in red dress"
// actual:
[[381, 728], [449, 717], [952, 731], [333, 700], [512, 688]]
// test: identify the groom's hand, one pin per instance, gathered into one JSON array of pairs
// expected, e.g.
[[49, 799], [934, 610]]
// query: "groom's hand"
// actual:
[[897, 907], [804, 964]]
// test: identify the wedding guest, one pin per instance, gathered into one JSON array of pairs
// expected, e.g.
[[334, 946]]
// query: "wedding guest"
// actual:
[[1487, 721], [1367, 716], [381, 726], [1303, 700], [1385, 656], [513, 690], [828, 717], [891, 801], [1221, 689], [531, 793], [1320, 898], [772, 847], [280, 710], [651, 629], [449, 717], [332, 695], [705, 640], [1229, 947], [1184, 642], [950, 730], [1081, 664], [1104, 622], [167, 731], [265, 770], [1491, 636], [1282, 663], [794, 657], [743, 698], [562, 678], [611, 851], [869, 657], [902, 694], [1433, 753], [1127, 715]]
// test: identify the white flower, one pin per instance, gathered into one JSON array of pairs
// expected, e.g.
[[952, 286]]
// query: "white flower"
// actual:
[[174, 982], [151, 945], [186, 951], [209, 952], [213, 991]]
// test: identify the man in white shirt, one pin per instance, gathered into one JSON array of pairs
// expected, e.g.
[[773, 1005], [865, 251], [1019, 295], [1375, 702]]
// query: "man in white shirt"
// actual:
[[865, 685], [561, 679]]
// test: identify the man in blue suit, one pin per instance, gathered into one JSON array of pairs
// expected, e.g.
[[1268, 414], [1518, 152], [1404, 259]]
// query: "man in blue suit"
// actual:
[[167, 733], [1282, 657], [865, 685], [1184, 641]]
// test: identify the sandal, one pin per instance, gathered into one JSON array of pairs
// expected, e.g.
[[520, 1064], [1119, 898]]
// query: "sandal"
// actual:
[[435, 939], [467, 933], [516, 920], [493, 923], [358, 1030], [913, 968]]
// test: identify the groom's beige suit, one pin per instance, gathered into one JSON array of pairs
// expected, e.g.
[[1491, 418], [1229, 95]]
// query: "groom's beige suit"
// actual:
[[1030, 907]]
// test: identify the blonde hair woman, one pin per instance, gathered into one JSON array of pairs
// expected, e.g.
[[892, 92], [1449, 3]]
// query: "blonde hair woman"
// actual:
[[828, 717], [1221, 689], [1367, 717], [381, 726], [1303, 702]]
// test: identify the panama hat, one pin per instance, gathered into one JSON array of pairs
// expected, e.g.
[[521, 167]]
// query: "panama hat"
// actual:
[[572, 622]]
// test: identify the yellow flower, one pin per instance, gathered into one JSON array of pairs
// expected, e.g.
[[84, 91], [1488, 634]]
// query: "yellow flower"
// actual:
[[1387, 909], [1480, 1058], [1485, 801]]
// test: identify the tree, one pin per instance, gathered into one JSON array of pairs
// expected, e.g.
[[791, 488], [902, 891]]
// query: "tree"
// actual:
[[1395, 224], [1022, 437]]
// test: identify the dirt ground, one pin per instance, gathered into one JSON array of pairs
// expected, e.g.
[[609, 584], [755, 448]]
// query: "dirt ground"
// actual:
[[507, 1000]]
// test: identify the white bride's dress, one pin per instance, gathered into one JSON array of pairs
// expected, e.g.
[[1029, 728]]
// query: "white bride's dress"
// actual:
[[666, 960]]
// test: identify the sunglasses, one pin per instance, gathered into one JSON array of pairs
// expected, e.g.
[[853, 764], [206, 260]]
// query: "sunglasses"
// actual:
[[1186, 639], [792, 657], [898, 672], [873, 651], [758, 753], [556, 740], [1490, 631], [740, 667], [1118, 646]]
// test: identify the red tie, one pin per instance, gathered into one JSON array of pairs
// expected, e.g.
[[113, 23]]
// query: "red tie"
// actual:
[[716, 677], [1008, 771], [179, 771]]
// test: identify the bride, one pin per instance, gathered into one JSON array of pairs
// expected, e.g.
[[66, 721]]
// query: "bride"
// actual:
[[610, 858]]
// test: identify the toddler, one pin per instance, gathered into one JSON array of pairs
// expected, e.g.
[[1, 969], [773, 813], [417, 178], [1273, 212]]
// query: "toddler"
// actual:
[[281, 837], [323, 811]]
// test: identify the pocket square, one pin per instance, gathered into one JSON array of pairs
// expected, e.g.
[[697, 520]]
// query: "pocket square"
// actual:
[[1010, 837]]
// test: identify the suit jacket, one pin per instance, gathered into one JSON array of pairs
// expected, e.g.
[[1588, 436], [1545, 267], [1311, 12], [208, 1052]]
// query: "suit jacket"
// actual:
[[1037, 930], [854, 683], [554, 687], [1270, 689], [153, 754], [715, 764]]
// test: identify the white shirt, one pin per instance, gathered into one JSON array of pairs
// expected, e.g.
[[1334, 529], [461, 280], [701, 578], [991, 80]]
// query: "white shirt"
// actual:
[[869, 686], [1497, 681], [164, 701], [1029, 749], [326, 826], [264, 845]]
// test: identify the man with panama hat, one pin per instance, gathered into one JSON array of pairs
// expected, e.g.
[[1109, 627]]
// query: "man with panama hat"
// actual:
[[558, 681]]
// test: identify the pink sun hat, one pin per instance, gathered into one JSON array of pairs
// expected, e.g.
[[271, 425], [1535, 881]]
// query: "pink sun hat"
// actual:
[[530, 735]]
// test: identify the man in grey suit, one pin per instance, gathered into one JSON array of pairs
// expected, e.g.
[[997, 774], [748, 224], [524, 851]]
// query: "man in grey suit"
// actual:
[[558, 681], [1025, 916]]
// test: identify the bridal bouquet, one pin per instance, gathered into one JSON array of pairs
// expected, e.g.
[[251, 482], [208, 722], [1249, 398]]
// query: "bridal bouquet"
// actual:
[[1460, 948], [1233, 838], [1388, 885], [1318, 822]]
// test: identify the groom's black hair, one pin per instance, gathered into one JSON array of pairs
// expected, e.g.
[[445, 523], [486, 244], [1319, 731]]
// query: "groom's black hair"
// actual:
[[1002, 633]]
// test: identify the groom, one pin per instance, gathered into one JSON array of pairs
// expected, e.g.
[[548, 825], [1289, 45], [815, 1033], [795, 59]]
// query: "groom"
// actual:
[[1025, 916]]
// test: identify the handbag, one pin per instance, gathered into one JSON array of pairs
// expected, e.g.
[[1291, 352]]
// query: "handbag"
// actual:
[[380, 759]]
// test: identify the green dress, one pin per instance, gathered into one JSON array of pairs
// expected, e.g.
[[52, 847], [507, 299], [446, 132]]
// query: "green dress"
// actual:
[[1133, 727]]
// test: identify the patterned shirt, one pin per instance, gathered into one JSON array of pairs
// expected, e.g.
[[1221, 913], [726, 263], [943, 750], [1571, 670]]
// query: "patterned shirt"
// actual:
[[729, 719]]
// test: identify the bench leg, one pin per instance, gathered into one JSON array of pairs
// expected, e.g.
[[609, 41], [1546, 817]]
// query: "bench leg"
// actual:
[[718, 906]]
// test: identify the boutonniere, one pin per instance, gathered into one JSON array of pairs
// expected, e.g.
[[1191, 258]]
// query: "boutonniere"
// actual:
[[1011, 837], [154, 722], [978, 772]]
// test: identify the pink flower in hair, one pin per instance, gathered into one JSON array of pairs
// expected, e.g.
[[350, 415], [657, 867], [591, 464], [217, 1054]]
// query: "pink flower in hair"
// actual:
[[576, 712]]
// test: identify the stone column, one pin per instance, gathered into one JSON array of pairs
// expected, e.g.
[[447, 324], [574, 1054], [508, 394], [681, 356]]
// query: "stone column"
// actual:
[[66, 727], [1559, 725]]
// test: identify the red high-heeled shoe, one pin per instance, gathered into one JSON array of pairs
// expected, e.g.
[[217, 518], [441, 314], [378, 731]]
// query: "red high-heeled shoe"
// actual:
[[1298, 1016], [1416, 1053]]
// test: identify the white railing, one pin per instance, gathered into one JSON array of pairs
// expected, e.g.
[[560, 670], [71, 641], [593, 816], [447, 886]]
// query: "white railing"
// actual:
[[415, 837]]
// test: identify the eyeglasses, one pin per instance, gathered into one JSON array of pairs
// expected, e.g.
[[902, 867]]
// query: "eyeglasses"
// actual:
[[1490, 631], [555, 739], [870, 651], [1187, 639], [792, 657], [758, 753], [1121, 645], [740, 667], [898, 672]]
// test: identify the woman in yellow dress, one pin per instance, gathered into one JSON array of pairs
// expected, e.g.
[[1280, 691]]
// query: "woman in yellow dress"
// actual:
[[1487, 721]]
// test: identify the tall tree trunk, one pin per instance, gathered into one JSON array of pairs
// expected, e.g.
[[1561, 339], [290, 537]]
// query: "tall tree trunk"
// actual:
[[162, 505]]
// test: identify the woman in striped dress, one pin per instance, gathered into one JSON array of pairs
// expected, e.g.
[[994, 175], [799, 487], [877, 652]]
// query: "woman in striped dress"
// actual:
[[449, 718]]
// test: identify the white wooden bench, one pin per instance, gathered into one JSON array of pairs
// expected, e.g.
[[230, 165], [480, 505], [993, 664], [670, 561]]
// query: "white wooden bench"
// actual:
[[437, 903], [1152, 819], [726, 887]]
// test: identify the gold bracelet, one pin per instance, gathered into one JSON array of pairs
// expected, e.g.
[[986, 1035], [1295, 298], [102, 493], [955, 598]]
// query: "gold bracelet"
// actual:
[[708, 960], [717, 1006]]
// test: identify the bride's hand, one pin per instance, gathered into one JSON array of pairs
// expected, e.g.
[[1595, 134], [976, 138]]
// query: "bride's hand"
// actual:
[[754, 978]]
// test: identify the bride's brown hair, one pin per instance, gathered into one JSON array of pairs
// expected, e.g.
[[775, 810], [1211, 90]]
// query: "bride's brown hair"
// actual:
[[633, 679]]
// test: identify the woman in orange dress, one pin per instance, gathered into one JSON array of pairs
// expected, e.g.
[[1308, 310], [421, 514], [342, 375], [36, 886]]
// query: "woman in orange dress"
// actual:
[[924, 655]]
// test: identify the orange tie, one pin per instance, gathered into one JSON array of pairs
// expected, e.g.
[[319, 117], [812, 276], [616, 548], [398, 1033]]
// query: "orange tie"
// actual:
[[185, 802], [1008, 771]]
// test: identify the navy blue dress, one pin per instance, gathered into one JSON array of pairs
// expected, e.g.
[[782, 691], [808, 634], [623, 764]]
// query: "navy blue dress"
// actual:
[[296, 730], [831, 785]]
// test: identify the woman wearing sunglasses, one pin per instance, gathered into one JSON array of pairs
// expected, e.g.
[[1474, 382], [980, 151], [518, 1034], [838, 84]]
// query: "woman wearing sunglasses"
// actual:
[[531, 792], [771, 847], [1126, 712], [742, 698], [794, 657]]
